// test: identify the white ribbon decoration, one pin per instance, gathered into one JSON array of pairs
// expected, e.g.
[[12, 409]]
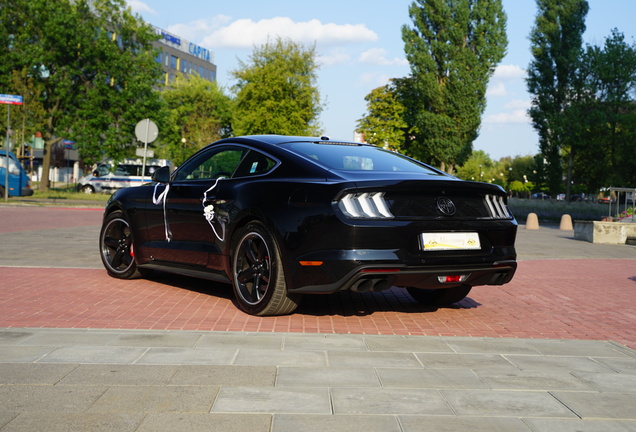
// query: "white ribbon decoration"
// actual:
[[208, 211], [161, 199]]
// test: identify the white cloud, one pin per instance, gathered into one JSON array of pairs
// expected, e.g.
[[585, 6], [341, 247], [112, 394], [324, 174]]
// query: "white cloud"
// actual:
[[518, 104], [509, 72], [198, 29], [377, 57], [514, 116], [333, 58], [245, 33], [504, 75], [138, 6], [496, 89], [374, 80]]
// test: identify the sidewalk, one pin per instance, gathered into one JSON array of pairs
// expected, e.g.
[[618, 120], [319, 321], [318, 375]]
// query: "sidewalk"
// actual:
[[345, 363]]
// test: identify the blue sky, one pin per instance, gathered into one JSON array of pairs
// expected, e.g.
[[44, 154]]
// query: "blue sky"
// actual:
[[359, 48]]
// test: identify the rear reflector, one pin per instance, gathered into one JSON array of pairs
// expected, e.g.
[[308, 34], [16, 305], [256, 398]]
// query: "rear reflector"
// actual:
[[310, 263], [452, 278]]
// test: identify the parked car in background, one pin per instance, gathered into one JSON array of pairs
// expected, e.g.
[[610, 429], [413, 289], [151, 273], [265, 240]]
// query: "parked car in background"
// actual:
[[19, 182], [540, 195], [278, 217], [108, 177]]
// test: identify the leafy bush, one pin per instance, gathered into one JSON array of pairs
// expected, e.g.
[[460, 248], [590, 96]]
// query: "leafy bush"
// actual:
[[553, 210]]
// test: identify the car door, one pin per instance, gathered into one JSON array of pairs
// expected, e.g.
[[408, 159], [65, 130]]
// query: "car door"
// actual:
[[191, 226]]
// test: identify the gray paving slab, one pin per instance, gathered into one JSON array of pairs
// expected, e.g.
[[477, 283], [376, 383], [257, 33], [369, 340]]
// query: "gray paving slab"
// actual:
[[163, 340], [180, 380], [157, 399], [234, 340], [618, 406], [327, 377], [465, 345], [198, 422], [564, 363], [340, 423], [505, 403], [454, 424], [331, 342], [256, 357], [373, 359], [389, 401], [577, 425], [609, 382], [459, 378], [49, 399], [185, 356], [534, 380], [38, 373], [223, 375], [14, 336], [70, 338], [65, 422], [466, 361], [118, 375], [408, 344], [92, 354], [27, 354], [272, 400]]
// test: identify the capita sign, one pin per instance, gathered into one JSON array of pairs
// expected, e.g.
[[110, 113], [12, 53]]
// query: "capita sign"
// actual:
[[185, 46], [10, 99]]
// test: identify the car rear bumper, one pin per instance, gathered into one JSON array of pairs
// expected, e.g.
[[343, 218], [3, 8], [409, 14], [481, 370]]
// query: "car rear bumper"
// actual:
[[378, 274]]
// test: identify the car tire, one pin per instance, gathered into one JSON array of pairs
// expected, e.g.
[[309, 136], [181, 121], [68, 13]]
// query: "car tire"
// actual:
[[87, 189], [116, 247], [439, 297], [258, 276]]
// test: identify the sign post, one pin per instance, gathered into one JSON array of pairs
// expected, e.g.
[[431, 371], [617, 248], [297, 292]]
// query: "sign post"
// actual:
[[146, 131], [9, 100]]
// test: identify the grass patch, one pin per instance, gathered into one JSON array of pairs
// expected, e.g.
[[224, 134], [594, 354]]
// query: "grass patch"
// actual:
[[68, 193], [553, 210]]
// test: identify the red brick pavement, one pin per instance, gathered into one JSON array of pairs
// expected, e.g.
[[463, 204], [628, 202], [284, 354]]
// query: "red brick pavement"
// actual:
[[557, 299]]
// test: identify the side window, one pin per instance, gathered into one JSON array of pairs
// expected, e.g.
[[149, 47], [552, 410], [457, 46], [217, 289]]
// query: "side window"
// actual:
[[102, 170], [220, 162], [254, 163]]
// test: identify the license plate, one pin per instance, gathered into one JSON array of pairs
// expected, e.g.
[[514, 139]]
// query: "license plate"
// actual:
[[449, 241]]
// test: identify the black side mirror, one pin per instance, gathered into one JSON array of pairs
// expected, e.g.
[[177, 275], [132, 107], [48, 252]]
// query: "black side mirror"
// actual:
[[161, 175]]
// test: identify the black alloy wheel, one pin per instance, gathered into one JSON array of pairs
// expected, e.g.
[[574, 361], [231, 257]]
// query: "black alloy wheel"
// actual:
[[116, 247], [258, 275]]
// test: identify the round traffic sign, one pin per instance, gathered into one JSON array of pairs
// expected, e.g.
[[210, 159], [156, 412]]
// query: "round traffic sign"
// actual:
[[146, 131]]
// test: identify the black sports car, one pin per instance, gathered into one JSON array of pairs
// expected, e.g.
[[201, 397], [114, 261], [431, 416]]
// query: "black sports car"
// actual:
[[279, 216]]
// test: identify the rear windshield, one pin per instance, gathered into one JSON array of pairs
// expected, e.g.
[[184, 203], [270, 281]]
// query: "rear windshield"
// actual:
[[345, 157]]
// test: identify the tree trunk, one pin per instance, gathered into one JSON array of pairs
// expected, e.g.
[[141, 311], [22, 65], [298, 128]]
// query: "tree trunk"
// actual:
[[45, 182]]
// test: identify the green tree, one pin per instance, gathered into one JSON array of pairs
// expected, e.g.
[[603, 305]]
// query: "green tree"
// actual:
[[199, 112], [452, 49], [478, 167], [276, 91], [556, 44], [384, 124], [605, 135], [94, 63]]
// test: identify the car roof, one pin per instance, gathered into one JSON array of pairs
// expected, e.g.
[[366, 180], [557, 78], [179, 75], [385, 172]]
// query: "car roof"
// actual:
[[281, 139]]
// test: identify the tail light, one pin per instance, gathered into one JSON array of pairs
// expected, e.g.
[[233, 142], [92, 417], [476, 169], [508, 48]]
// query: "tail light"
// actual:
[[365, 206]]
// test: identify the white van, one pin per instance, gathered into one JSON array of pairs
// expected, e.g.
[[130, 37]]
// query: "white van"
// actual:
[[126, 174]]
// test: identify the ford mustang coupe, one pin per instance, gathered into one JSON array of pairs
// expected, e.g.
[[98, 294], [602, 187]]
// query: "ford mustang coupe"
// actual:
[[279, 216]]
